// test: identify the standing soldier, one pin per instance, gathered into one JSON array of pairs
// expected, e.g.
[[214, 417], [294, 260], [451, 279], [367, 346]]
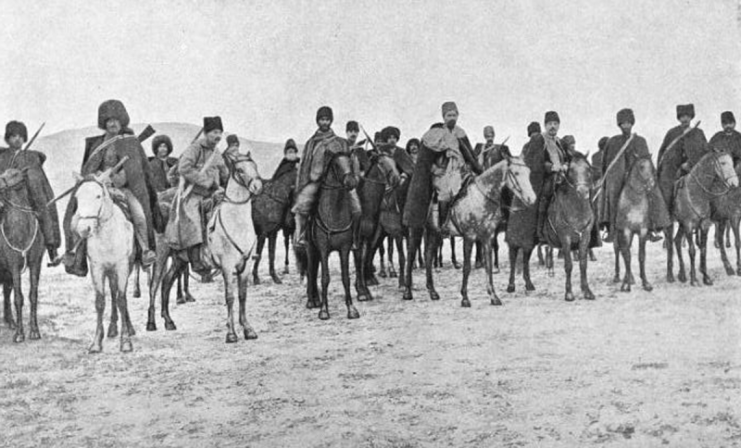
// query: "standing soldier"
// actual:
[[729, 139], [161, 163], [38, 187], [635, 148], [204, 172], [133, 181], [324, 143]]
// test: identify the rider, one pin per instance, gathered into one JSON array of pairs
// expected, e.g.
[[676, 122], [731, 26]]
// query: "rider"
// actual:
[[204, 172], [133, 182], [532, 129], [290, 159], [615, 178], [161, 163], [37, 184], [729, 139], [322, 145], [404, 163], [489, 153]]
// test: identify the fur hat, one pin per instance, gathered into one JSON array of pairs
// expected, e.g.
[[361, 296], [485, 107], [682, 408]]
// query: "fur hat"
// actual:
[[16, 128], [324, 111], [290, 144], [624, 115], [389, 131], [112, 109], [232, 139], [352, 126], [686, 109], [212, 123], [551, 116], [533, 128], [160, 139], [489, 130], [727, 117], [602, 143], [413, 141], [568, 140], [449, 106]]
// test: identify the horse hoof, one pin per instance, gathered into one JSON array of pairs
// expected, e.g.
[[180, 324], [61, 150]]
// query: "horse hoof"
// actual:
[[180, 300], [151, 326], [647, 287], [616, 279], [112, 331], [738, 272], [465, 303], [456, 265], [19, 337], [495, 271], [393, 274], [708, 281], [277, 280], [126, 347], [551, 273], [434, 295], [324, 315], [34, 335], [249, 334], [730, 272], [286, 271], [569, 297], [137, 294], [256, 280], [588, 295], [189, 298], [495, 301], [682, 277], [407, 294], [510, 288], [312, 305], [670, 278], [170, 326], [382, 274], [95, 348], [352, 313], [231, 338], [529, 287], [632, 280], [372, 280], [625, 287]]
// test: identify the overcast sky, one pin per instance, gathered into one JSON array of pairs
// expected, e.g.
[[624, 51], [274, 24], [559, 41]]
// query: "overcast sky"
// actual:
[[266, 67]]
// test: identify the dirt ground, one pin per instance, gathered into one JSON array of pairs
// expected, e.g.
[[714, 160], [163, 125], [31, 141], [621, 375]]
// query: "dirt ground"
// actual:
[[629, 369]]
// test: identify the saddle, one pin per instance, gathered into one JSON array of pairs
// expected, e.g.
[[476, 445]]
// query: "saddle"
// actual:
[[119, 199]]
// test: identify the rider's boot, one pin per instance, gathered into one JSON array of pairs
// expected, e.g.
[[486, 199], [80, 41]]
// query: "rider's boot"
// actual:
[[443, 213], [299, 240]]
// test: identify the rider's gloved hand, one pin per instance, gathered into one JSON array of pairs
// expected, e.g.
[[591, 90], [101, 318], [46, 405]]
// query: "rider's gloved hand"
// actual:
[[219, 194]]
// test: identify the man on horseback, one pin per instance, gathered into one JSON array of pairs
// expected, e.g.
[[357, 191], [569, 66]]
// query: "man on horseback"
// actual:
[[40, 192], [390, 136], [532, 129], [232, 146], [290, 159], [161, 163], [318, 150], [489, 154], [729, 139], [413, 149], [205, 174], [627, 148], [132, 184]]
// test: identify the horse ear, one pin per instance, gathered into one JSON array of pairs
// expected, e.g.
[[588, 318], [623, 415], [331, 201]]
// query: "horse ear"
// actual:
[[509, 159], [77, 176]]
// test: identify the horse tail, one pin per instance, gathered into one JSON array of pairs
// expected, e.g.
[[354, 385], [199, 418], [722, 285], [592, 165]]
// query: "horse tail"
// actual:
[[302, 261]]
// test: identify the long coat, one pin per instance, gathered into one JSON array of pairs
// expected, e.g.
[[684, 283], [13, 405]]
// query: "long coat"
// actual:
[[39, 190], [522, 224], [731, 143], [160, 168], [689, 148]]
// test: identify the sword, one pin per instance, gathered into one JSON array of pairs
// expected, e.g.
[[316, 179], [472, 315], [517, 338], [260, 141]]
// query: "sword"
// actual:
[[29, 143], [676, 140], [609, 167], [103, 176]]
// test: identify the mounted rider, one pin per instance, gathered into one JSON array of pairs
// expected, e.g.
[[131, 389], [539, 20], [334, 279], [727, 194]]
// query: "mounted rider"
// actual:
[[532, 129], [204, 175], [488, 153], [19, 164], [161, 163], [627, 148], [404, 163], [317, 151], [290, 159], [729, 139], [131, 186]]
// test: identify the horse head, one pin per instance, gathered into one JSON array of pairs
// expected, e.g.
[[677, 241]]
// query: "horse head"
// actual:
[[724, 169], [643, 173], [243, 171], [340, 168], [517, 179], [579, 175], [93, 206], [387, 166]]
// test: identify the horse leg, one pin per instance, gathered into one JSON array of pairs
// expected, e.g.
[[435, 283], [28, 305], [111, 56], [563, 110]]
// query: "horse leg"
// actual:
[[616, 249], [20, 335], [117, 280], [624, 240], [735, 228], [719, 235], [495, 253], [180, 299], [669, 245], [549, 261], [728, 233], [402, 257], [98, 278], [360, 282], [7, 307], [113, 325], [324, 308], [185, 277], [375, 244], [467, 247], [414, 237], [249, 332], [33, 297], [272, 239], [704, 256], [432, 243], [642, 260], [526, 254], [155, 283], [352, 312], [512, 267], [390, 251], [583, 264], [230, 284], [258, 257], [286, 241], [488, 264], [568, 266], [137, 288], [541, 260], [382, 255], [172, 274], [312, 269], [681, 275], [453, 259], [691, 247]]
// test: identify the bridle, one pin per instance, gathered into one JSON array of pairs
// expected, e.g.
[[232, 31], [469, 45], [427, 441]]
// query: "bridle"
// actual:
[[719, 172], [330, 165], [385, 171], [233, 175], [97, 216]]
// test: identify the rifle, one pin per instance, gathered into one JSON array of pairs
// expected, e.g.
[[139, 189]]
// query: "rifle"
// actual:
[[146, 133], [368, 139], [105, 175], [609, 167], [29, 143], [676, 140]]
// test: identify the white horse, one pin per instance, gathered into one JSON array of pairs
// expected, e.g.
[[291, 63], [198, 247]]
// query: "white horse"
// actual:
[[110, 254], [231, 238]]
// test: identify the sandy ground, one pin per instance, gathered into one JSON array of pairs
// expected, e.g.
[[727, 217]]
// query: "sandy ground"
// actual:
[[629, 369]]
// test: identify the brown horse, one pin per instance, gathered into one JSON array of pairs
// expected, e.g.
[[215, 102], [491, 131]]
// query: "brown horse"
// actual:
[[477, 214], [712, 177], [570, 222], [633, 218], [726, 212]]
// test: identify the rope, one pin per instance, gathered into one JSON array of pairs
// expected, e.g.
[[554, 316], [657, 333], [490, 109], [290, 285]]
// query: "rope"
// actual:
[[23, 252]]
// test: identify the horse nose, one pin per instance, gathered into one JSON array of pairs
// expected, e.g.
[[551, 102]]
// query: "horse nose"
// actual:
[[734, 181], [256, 186], [83, 229], [583, 192]]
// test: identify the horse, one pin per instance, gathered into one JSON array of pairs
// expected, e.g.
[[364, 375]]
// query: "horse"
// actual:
[[392, 230], [380, 181], [726, 212], [271, 212], [477, 214], [331, 229], [692, 209], [231, 239], [183, 289], [570, 222], [633, 218], [110, 255], [21, 248]]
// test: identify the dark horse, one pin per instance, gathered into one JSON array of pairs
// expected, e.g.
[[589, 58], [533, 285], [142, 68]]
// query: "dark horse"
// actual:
[[570, 222], [21, 247], [271, 212], [712, 177], [380, 180], [726, 212], [331, 229], [633, 217]]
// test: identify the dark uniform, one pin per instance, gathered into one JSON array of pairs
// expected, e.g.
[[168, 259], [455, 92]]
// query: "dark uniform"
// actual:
[[161, 167], [729, 139]]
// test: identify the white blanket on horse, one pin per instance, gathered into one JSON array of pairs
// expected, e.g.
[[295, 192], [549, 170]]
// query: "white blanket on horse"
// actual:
[[448, 172]]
